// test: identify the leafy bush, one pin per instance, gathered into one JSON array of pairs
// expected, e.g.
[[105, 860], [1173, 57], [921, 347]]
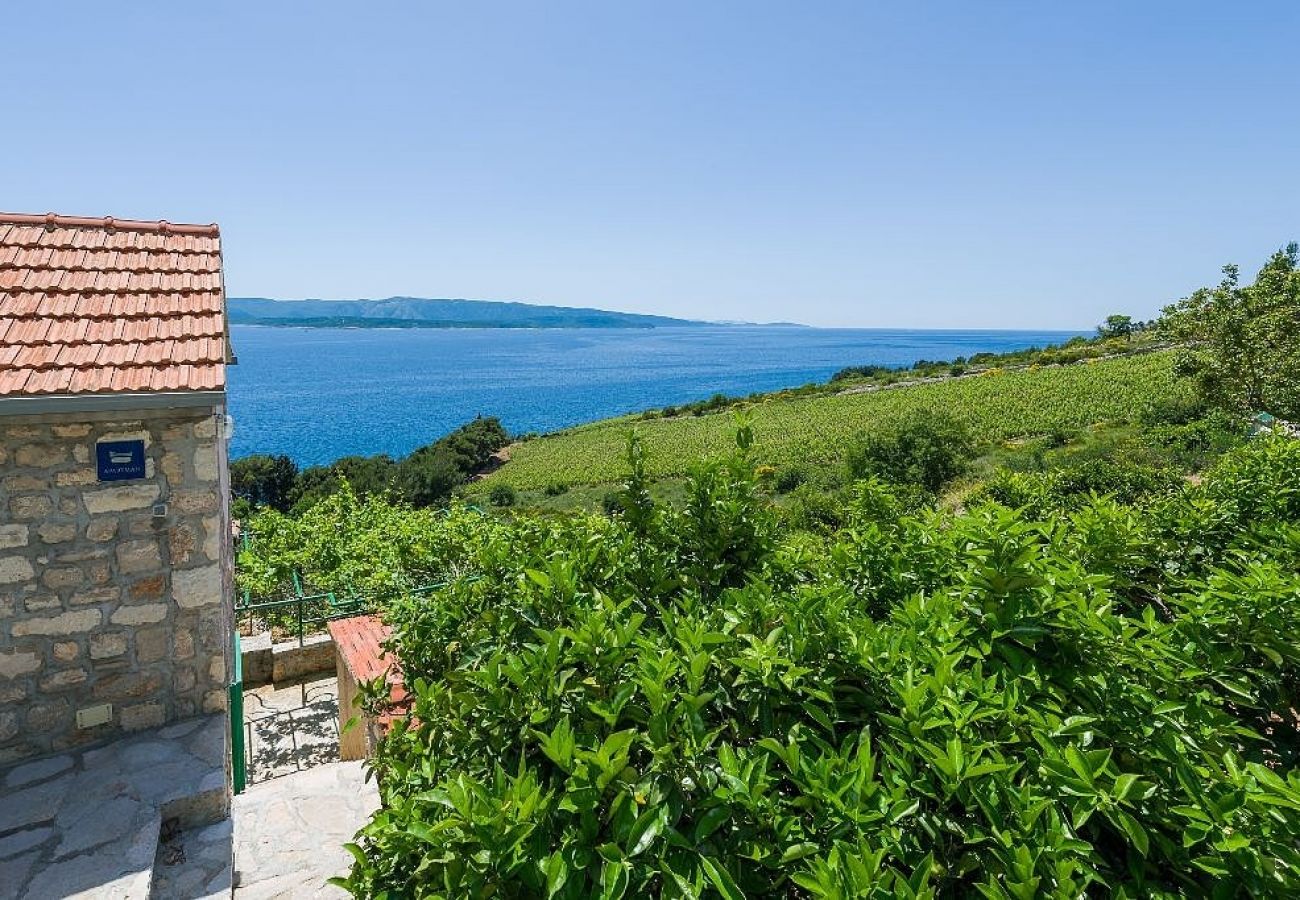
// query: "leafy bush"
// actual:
[[1240, 346], [789, 477], [354, 546], [264, 480], [1193, 444], [854, 372], [426, 477], [928, 448], [502, 495], [678, 703], [1070, 485]]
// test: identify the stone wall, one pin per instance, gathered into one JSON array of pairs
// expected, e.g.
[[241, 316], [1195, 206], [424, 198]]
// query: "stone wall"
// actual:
[[103, 597]]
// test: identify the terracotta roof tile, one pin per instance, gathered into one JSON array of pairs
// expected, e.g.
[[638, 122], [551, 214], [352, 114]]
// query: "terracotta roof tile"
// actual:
[[110, 305]]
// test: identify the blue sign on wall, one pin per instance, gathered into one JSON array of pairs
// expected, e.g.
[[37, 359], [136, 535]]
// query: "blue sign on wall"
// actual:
[[119, 460]]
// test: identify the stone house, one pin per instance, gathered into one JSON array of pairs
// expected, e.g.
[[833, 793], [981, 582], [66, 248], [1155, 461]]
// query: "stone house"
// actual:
[[115, 552]]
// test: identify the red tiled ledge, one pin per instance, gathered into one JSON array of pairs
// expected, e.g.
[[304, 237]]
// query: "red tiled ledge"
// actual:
[[360, 655]]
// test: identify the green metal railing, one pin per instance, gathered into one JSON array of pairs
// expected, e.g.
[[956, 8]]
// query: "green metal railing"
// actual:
[[239, 764], [309, 611], [330, 608], [312, 610]]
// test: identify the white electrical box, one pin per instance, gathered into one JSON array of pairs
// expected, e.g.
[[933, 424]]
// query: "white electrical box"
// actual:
[[95, 715]]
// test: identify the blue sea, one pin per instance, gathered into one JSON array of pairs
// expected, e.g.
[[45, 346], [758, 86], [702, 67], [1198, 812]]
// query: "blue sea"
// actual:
[[320, 393]]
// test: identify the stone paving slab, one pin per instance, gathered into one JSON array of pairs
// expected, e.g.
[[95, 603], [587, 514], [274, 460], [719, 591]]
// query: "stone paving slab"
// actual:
[[291, 726], [290, 831], [196, 864], [87, 824]]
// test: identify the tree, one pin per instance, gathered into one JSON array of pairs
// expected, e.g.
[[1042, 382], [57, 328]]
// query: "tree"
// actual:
[[429, 475], [366, 475], [264, 480], [925, 448], [1242, 344], [1116, 326]]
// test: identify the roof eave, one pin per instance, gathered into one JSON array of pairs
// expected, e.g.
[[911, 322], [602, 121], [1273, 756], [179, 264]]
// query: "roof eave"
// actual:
[[42, 404]]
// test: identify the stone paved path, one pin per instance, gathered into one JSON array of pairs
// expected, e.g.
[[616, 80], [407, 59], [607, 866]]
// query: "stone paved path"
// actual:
[[291, 727], [87, 824], [195, 864], [290, 831]]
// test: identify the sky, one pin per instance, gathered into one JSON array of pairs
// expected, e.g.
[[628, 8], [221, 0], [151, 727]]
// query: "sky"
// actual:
[[980, 165]]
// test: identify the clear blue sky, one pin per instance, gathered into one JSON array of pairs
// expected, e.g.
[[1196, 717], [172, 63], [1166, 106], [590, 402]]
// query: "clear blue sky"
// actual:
[[866, 164]]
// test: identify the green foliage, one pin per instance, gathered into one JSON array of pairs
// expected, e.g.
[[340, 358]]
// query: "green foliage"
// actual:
[[1242, 348], [815, 430], [852, 372], [365, 475], [789, 477], [678, 702], [502, 495], [425, 478], [428, 475], [354, 547], [927, 448], [1069, 486], [1116, 326], [263, 480]]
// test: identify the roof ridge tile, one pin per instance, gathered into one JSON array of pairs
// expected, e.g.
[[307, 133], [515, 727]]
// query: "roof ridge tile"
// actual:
[[52, 221]]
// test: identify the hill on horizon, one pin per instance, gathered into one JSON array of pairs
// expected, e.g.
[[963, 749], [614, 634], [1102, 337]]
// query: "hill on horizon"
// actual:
[[417, 312]]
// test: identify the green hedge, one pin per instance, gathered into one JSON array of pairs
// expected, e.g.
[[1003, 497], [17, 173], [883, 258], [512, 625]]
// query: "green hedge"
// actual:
[[691, 704]]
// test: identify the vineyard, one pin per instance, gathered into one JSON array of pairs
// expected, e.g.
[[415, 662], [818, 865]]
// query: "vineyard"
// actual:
[[1078, 681], [997, 405], [1029, 632]]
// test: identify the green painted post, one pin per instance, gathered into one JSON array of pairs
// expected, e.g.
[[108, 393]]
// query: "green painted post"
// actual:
[[238, 764]]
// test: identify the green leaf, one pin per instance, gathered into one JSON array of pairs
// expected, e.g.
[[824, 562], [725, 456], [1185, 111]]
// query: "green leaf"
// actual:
[[710, 822], [1125, 785], [1129, 825], [798, 851], [721, 879], [613, 880], [557, 873], [646, 829], [357, 853]]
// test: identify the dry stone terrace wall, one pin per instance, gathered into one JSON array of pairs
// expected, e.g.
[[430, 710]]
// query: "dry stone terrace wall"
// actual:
[[103, 600]]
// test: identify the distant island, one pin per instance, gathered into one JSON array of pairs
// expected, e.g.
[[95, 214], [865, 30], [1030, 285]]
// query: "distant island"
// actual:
[[415, 312]]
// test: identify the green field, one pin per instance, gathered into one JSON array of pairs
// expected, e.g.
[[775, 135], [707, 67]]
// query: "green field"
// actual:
[[997, 405]]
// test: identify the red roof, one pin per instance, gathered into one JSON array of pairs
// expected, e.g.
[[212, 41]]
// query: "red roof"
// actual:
[[110, 306]]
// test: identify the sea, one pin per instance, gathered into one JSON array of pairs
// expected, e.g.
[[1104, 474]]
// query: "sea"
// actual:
[[317, 394]]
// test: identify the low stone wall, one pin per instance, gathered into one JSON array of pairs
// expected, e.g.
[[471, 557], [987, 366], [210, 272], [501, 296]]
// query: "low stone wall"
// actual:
[[267, 663], [104, 598]]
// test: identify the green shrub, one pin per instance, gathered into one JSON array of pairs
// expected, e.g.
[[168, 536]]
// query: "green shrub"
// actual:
[[1044, 492], [427, 477], [678, 703], [809, 508], [923, 447], [556, 489], [789, 477], [1193, 444], [264, 480], [502, 495]]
